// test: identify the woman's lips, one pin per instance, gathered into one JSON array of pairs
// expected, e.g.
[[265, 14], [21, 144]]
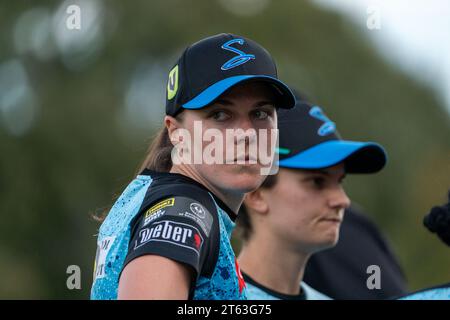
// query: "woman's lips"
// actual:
[[247, 159], [335, 220]]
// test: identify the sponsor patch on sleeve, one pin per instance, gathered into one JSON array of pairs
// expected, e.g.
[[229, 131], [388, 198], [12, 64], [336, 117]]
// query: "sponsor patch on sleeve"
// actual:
[[157, 211], [181, 207], [176, 233], [197, 212]]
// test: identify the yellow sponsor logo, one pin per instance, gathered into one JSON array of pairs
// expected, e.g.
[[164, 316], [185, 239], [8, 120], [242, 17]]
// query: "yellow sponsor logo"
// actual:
[[160, 205], [172, 83]]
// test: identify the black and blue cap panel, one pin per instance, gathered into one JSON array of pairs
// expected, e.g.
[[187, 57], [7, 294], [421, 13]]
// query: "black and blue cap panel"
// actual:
[[303, 127], [308, 139], [358, 157], [209, 61], [213, 65]]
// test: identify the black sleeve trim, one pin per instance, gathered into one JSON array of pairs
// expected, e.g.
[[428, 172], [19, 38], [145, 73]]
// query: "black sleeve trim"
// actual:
[[190, 215]]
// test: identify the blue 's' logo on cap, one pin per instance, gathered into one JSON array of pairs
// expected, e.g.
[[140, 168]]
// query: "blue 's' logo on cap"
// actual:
[[241, 57], [328, 127]]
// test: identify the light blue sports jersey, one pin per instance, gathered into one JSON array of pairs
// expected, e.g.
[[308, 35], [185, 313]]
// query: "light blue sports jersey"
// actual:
[[437, 293], [223, 282], [258, 292], [226, 282]]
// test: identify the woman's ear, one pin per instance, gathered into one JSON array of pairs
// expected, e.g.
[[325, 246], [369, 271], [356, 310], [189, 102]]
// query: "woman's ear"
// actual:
[[171, 124], [175, 130], [256, 202]]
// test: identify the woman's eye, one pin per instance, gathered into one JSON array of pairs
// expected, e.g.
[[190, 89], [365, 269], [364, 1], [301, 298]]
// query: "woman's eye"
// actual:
[[318, 182], [261, 114], [220, 116]]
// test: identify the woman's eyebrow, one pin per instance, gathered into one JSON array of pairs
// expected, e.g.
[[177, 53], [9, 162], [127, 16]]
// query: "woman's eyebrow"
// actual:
[[318, 171], [223, 102], [229, 103], [327, 173], [220, 103], [264, 103]]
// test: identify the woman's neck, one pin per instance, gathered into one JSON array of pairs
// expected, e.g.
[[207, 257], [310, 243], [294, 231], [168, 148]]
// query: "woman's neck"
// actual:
[[233, 201], [272, 265]]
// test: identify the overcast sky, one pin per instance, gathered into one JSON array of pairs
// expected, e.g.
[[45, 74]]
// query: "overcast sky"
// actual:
[[413, 35]]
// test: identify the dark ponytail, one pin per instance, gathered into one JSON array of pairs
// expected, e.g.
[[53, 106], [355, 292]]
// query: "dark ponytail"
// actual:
[[158, 157], [159, 154]]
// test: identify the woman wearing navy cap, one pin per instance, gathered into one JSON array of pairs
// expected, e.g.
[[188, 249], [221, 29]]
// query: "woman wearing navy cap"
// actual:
[[298, 212], [168, 235]]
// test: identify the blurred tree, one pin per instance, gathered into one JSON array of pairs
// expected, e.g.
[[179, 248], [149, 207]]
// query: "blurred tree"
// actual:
[[85, 143]]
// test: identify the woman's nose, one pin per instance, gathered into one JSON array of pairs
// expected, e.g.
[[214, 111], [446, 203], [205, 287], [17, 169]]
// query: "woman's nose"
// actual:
[[246, 131], [339, 198]]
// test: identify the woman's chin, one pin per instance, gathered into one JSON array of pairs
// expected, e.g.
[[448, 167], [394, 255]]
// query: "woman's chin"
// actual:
[[330, 240], [244, 182]]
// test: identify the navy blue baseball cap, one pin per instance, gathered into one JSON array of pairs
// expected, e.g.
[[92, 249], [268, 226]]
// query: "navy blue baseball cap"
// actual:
[[213, 65], [309, 140]]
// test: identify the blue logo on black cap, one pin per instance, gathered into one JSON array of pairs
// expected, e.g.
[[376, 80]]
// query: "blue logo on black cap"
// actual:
[[328, 126], [241, 57]]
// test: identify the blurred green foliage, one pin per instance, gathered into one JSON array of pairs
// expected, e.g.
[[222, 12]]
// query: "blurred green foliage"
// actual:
[[79, 155]]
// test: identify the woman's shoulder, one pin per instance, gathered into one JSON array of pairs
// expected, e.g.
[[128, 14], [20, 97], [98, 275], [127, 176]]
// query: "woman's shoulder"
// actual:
[[177, 220], [176, 190], [179, 199]]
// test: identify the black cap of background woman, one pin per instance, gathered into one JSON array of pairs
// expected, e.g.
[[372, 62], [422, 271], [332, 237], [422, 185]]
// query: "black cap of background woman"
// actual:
[[308, 139], [213, 65]]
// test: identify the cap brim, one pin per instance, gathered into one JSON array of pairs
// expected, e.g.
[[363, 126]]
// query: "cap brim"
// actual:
[[207, 96], [358, 157]]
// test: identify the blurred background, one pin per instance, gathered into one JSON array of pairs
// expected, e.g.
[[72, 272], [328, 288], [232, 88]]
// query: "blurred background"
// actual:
[[78, 108]]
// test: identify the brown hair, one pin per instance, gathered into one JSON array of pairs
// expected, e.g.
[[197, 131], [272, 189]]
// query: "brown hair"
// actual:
[[243, 221], [158, 158], [159, 154]]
